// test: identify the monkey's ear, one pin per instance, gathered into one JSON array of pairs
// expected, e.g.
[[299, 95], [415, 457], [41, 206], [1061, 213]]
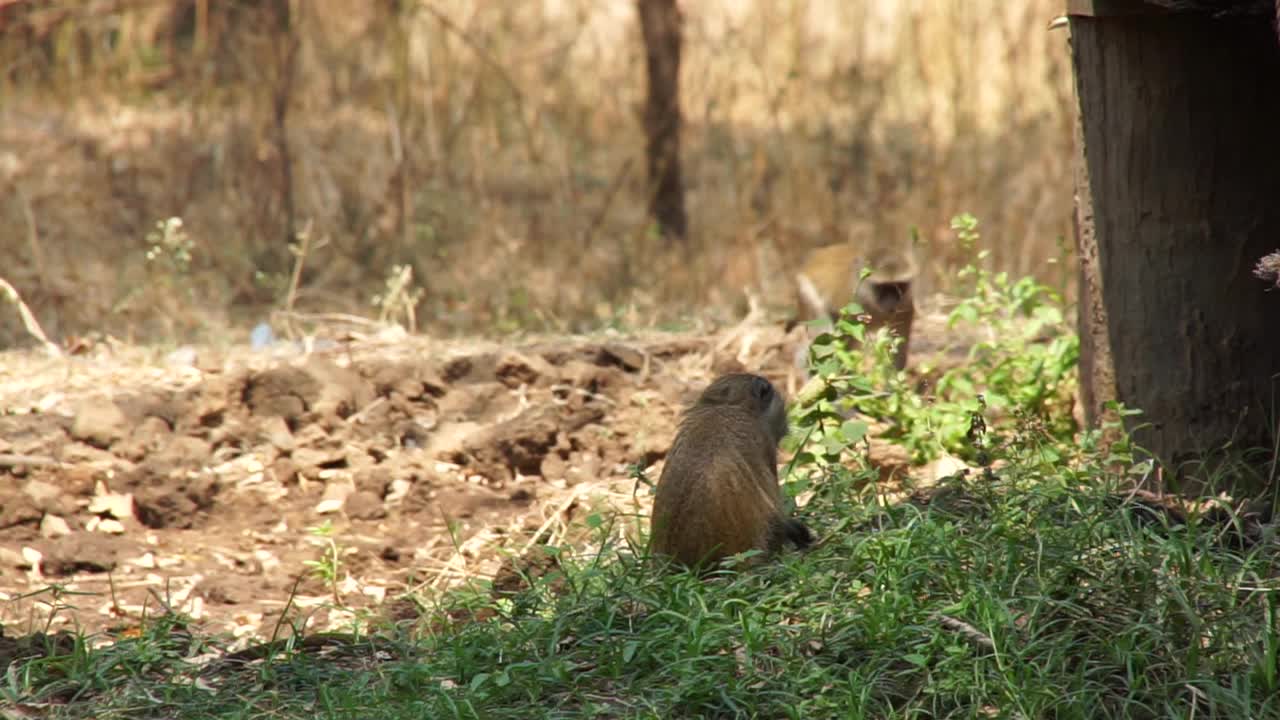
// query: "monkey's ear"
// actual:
[[761, 389]]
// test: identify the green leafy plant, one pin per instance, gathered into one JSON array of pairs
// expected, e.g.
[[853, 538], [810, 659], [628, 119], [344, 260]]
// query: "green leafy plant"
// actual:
[[1022, 367], [170, 248], [399, 300], [329, 566]]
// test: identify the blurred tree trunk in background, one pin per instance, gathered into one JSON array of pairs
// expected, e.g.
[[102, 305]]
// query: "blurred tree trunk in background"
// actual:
[[660, 23], [286, 71]]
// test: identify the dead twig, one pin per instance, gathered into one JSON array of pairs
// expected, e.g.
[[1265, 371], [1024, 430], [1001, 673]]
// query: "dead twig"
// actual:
[[487, 58], [300, 252], [28, 318], [13, 460], [973, 634], [615, 185], [33, 235]]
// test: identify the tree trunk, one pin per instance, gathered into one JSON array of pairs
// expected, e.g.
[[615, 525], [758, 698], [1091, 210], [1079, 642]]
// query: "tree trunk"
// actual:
[[660, 23], [1097, 374], [1178, 196]]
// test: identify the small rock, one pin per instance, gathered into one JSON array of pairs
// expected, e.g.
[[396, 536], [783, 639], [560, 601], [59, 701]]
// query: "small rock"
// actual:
[[335, 496], [18, 510], [391, 334], [185, 356], [117, 505], [209, 407], [375, 479], [46, 497], [456, 369], [225, 594], [342, 391], [449, 441], [627, 358], [476, 401], [162, 505], [414, 434], [79, 481], [99, 423], [364, 505], [554, 467], [583, 467], [147, 561], [113, 527], [359, 459], [892, 460], [309, 460], [277, 432], [49, 402], [285, 391], [83, 553], [144, 440], [284, 470], [515, 369], [944, 467], [185, 451], [398, 490], [52, 526], [311, 435], [12, 558], [31, 558], [591, 378]]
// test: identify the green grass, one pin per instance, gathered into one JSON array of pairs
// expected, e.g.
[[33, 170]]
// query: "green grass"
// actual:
[[1041, 589], [1035, 592]]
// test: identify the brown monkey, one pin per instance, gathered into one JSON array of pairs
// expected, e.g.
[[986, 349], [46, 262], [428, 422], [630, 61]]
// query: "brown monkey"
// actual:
[[718, 493], [831, 276]]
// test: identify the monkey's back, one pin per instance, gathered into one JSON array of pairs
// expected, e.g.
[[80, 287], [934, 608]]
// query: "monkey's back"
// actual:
[[718, 492], [830, 279], [828, 272]]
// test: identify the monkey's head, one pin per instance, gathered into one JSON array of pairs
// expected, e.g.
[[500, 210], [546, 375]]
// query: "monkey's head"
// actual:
[[889, 281], [752, 393]]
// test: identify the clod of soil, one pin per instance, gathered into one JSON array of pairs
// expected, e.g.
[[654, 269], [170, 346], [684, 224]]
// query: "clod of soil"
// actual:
[[99, 423], [84, 553]]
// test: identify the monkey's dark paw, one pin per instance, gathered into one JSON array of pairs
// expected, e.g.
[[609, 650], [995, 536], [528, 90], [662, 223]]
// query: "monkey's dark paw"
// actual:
[[799, 533]]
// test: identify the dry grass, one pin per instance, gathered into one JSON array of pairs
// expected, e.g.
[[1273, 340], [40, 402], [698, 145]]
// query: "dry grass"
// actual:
[[496, 148]]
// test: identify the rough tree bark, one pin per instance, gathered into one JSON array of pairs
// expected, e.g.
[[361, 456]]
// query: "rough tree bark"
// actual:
[[660, 23], [1178, 195], [1097, 375]]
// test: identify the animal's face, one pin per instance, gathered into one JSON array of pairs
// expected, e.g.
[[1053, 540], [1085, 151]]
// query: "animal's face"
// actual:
[[888, 296], [888, 285]]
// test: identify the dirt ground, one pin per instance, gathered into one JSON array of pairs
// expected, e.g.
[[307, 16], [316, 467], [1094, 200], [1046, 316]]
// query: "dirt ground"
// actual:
[[132, 479]]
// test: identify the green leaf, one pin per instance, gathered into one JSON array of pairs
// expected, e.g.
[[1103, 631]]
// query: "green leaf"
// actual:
[[833, 445], [828, 367], [852, 431]]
